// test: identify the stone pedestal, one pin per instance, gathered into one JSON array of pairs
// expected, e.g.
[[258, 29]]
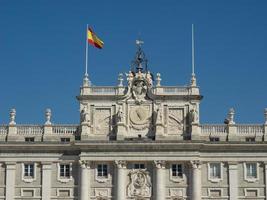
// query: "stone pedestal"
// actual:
[[233, 181], [84, 182], [10, 180], [195, 131], [121, 180], [12, 133], [196, 180], [121, 130], [46, 181], [85, 131], [160, 185], [232, 133]]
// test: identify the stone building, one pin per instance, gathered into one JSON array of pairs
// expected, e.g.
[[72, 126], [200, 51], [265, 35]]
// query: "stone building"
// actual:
[[138, 140]]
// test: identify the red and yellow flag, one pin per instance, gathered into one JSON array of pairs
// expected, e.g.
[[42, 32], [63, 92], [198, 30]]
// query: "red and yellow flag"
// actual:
[[94, 40]]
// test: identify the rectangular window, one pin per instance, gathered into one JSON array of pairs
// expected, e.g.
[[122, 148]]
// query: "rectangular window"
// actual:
[[215, 193], [29, 139], [215, 170], [250, 139], [177, 170], [29, 170], [65, 170], [251, 193], [102, 170], [139, 166], [65, 139], [215, 139], [251, 170]]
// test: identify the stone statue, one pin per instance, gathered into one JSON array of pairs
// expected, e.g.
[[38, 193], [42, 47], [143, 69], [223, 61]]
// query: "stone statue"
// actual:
[[84, 115], [12, 116], [130, 77], [149, 78], [48, 115], [159, 114], [120, 114], [193, 115]]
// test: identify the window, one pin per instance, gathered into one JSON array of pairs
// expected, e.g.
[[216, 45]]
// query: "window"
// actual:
[[250, 139], [214, 139], [251, 192], [177, 170], [251, 170], [102, 170], [65, 139], [65, 170], [215, 170], [29, 139], [215, 192], [28, 170], [139, 166]]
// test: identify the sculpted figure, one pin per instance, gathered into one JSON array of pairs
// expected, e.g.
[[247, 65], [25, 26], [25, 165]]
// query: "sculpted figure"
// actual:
[[84, 115], [149, 78], [193, 115], [120, 114], [130, 77]]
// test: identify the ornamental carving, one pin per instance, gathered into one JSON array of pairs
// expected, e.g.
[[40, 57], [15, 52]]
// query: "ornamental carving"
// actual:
[[102, 117], [175, 124], [139, 117], [140, 184], [121, 163]]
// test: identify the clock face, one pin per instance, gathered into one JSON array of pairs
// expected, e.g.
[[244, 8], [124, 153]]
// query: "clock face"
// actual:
[[139, 115]]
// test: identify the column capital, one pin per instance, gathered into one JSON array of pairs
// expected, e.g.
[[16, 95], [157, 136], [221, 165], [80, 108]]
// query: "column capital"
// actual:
[[160, 164], [85, 164], [196, 164], [46, 165], [121, 164], [10, 165]]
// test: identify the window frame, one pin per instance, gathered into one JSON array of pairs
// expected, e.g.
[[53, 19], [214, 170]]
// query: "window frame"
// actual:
[[64, 179], [246, 191], [139, 163], [177, 178], [251, 179], [22, 190], [213, 189], [215, 179], [28, 179], [102, 179]]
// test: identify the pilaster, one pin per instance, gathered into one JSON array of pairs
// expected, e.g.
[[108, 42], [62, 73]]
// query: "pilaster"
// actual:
[[10, 180], [233, 181], [46, 180], [160, 172]]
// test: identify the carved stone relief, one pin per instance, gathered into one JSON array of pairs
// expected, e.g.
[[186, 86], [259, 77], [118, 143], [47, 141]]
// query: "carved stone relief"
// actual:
[[102, 119], [140, 117], [101, 193], [140, 184], [175, 121]]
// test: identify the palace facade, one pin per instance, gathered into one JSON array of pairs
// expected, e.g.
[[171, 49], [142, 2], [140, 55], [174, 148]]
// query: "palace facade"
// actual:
[[138, 140]]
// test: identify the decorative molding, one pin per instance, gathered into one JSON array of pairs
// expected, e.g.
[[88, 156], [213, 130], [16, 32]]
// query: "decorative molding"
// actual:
[[30, 179], [252, 189], [85, 164], [22, 191], [140, 185], [196, 164], [121, 164], [65, 189], [215, 189], [160, 164], [102, 193]]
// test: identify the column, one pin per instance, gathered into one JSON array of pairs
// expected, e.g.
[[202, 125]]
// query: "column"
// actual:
[[46, 181], [160, 186], [196, 191], [233, 181], [265, 180], [84, 182], [121, 180], [10, 180]]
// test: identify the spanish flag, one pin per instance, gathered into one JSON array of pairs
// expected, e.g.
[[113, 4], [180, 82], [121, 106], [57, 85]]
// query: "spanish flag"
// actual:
[[94, 40]]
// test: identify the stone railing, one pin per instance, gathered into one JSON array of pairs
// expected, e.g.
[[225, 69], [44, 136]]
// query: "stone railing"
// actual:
[[103, 90], [3, 130], [249, 128], [30, 130], [213, 129], [65, 129], [169, 90], [20, 132]]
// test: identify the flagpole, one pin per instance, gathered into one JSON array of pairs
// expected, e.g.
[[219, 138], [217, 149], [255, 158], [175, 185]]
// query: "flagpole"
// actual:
[[193, 51], [86, 51]]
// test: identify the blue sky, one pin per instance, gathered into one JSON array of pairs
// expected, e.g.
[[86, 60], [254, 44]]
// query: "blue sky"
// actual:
[[42, 52]]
